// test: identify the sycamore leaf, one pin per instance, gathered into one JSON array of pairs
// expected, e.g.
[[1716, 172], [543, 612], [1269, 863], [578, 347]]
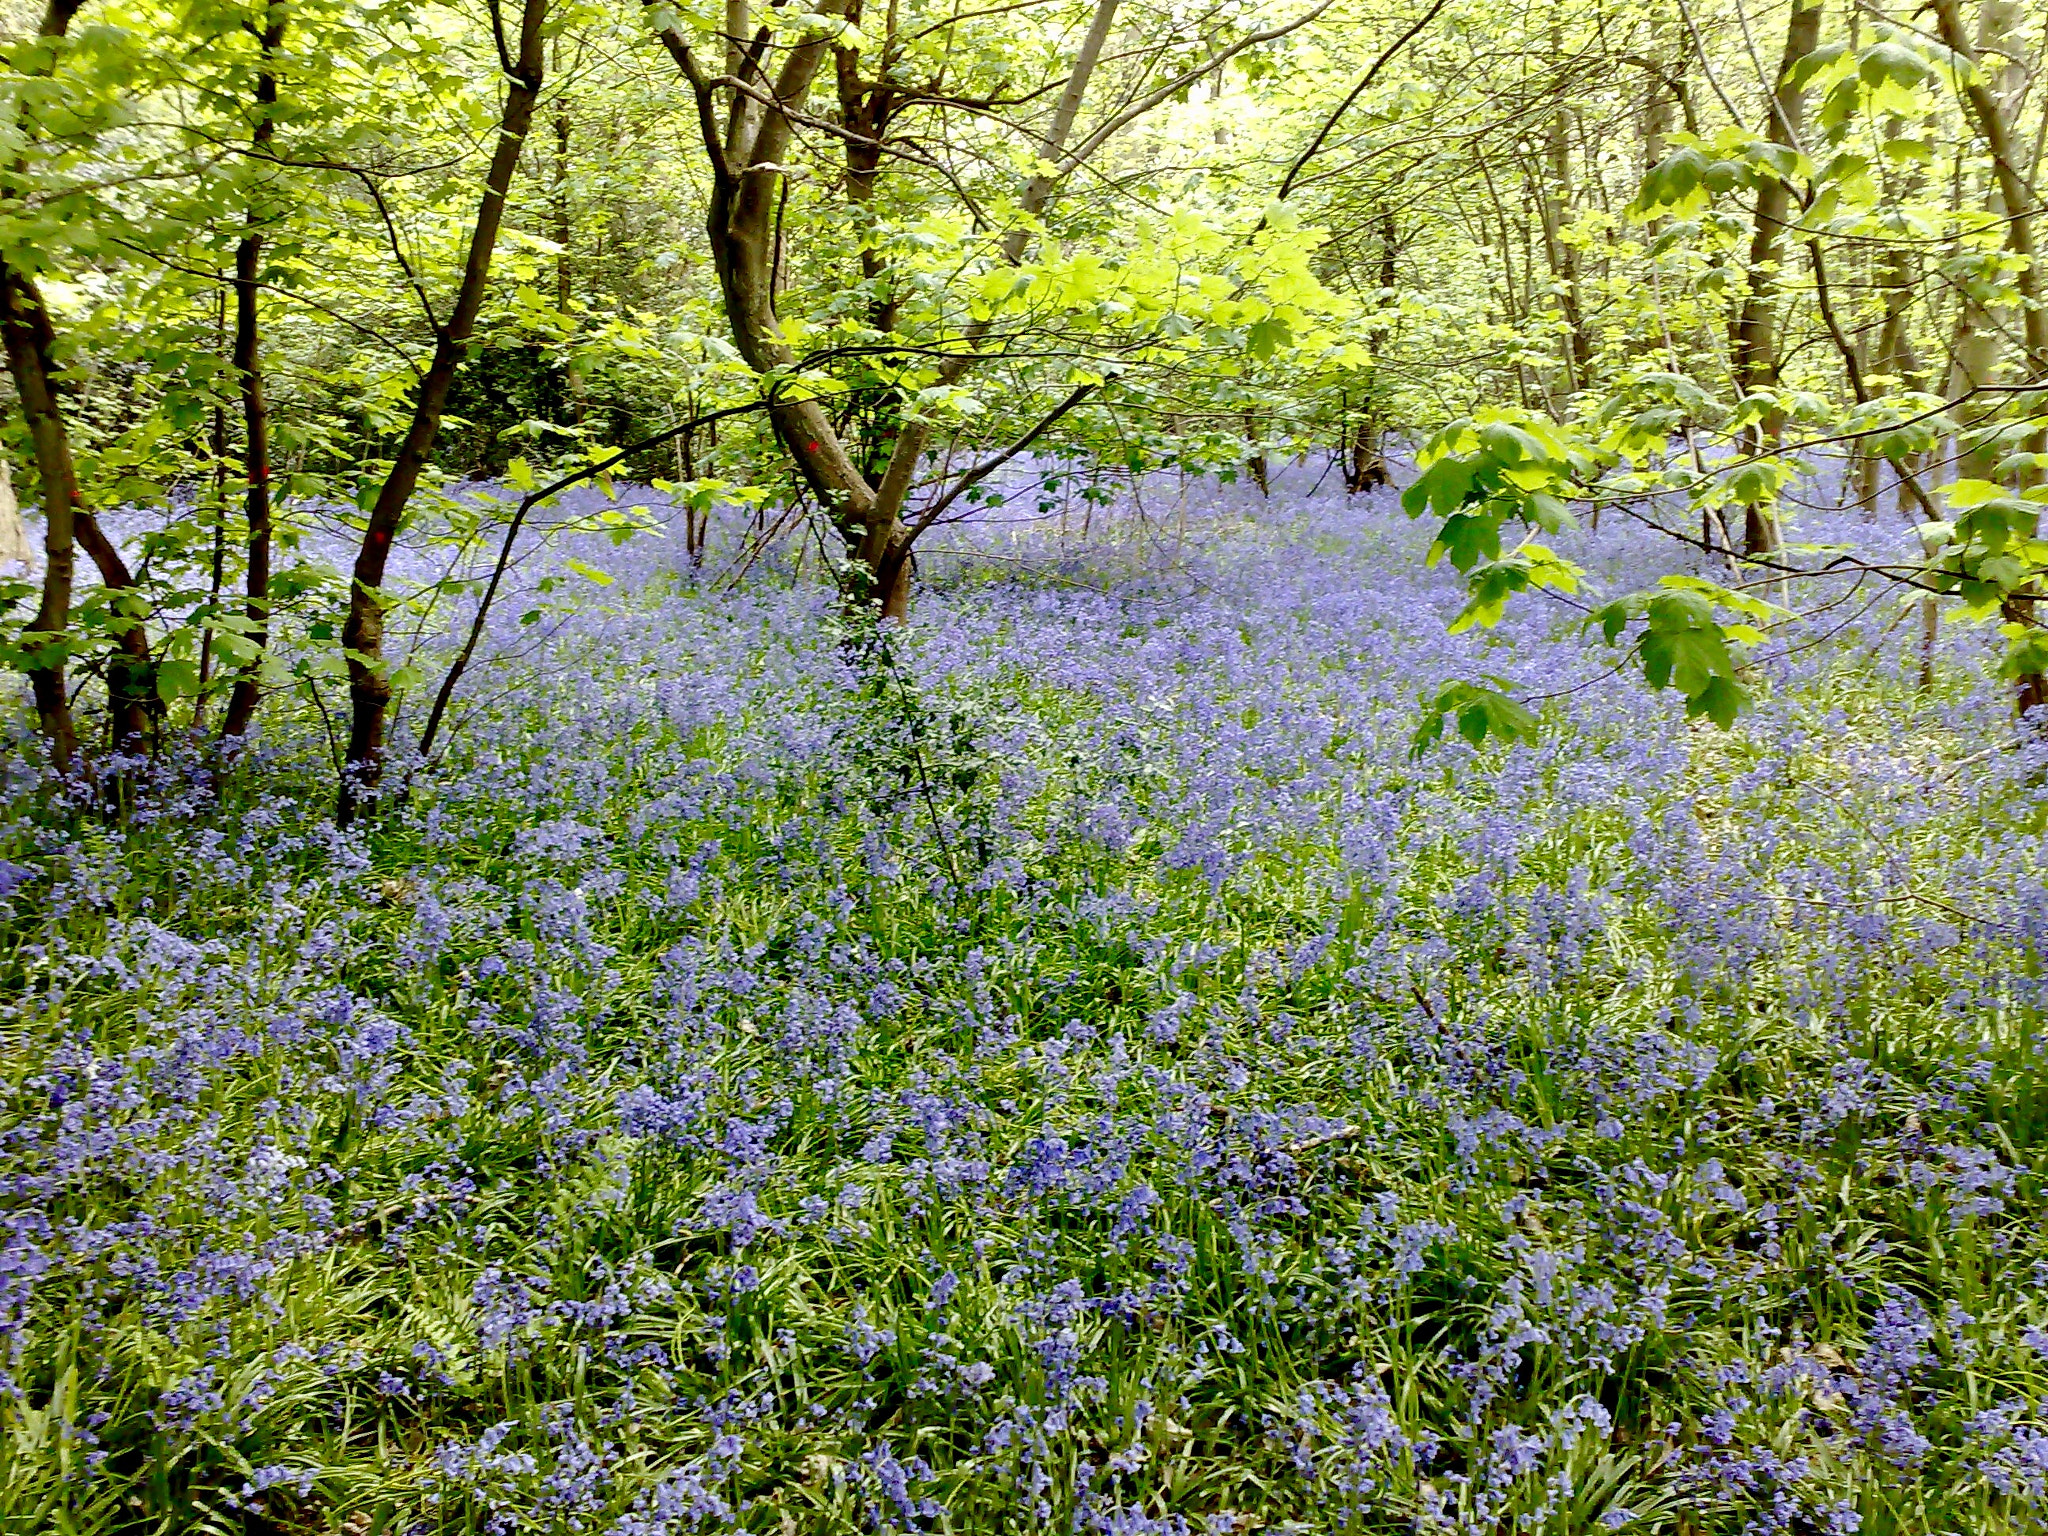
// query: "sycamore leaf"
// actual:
[[1892, 61], [1441, 488], [2026, 651], [1481, 712], [1612, 619], [1467, 539], [176, 678], [1721, 700], [1969, 493], [1265, 337]]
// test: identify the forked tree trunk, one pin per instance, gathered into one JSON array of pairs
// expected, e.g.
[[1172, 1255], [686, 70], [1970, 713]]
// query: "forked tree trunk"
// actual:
[[868, 108], [30, 342], [746, 153], [131, 671], [369, 681], [1365, 465]]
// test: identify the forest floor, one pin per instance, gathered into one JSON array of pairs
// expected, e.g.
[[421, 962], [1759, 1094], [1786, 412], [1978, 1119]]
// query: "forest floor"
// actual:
[[1070, 1068]]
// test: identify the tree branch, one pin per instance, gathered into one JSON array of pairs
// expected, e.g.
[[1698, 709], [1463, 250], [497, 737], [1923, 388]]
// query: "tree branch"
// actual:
[[1330, 122], [989, 466], [512, 529]]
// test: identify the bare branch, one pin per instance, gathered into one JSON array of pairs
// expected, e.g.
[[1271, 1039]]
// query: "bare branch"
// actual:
[[1330, 122], [989, 466]]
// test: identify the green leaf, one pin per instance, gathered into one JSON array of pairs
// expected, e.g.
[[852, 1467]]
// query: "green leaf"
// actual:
[[1721, 700], [1891, 61], [176, 678], [1441, 488], [236, 649], [1612, 619], [2026, 651], [1481, 712], [1265, 337], [1970, 493], [1803, 72], [1467, 538]]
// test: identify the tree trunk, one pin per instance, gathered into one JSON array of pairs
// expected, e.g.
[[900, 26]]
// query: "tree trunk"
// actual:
[[1989, 116], [1976, 342], [1255, 463], [30, 343], [1893, 273], [565, 261], [1562, 255], [1754, 348], [867, 108], [363, 633], [131, 671], [1366, 464], [26, 362], [217, 566], [746, 154], [256, 509], [1368, 467]]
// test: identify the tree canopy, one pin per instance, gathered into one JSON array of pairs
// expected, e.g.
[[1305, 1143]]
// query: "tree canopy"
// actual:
[[310, 265]]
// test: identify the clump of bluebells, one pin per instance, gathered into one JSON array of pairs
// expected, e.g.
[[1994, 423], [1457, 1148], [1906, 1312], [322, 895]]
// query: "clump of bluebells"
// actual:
[[1067, 1066]]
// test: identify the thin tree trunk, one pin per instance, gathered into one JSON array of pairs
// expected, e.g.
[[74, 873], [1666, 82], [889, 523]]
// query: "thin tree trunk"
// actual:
[[256, 508], [28, 362], [1563, 257], [565, 239], [1754, 346], [1894, 276], [363, 633], [1368, 466], [216, 574], [1256, 464], [1989, 116], [49, 631], [563, 230]]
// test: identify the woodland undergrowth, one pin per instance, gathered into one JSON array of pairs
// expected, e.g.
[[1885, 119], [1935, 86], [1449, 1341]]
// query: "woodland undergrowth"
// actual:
[[1062, 1065]]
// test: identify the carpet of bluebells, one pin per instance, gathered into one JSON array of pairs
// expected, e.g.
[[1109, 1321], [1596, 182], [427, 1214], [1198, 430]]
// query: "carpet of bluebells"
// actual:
[[1068, 1067]]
